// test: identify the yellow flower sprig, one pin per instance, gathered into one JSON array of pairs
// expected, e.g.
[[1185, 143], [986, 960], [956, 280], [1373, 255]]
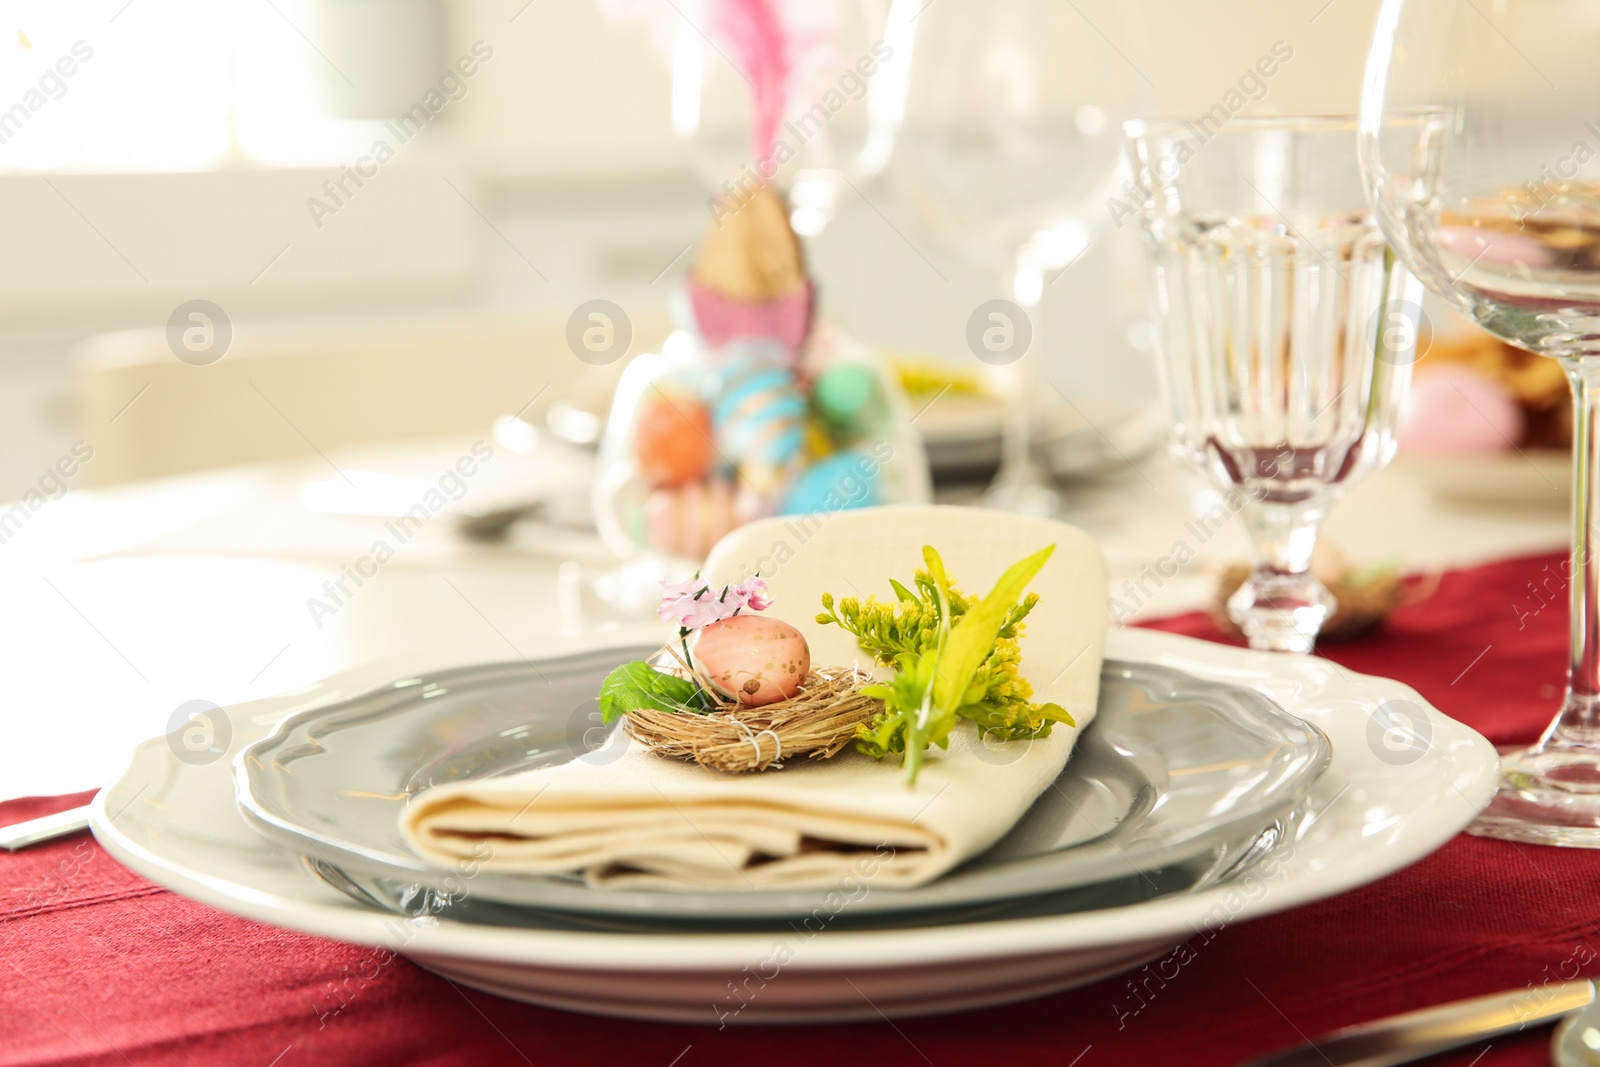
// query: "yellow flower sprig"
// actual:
[[954, 658]]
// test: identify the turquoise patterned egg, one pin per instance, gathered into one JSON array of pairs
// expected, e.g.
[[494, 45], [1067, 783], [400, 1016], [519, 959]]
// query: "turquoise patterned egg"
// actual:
[[760, 414]]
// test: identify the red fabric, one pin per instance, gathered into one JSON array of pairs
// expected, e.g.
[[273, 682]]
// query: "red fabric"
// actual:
[[98, 966]]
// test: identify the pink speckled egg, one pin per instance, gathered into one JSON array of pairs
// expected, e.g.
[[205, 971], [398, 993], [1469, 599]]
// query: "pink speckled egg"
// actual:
[[1455, 409], [753, 659]]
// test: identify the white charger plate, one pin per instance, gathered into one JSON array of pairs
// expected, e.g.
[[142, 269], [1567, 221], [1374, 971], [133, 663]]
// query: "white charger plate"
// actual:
[[1403, 780]]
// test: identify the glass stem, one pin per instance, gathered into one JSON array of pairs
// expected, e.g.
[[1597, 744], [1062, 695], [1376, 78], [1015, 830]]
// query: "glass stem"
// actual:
[[1281, 607], [1023, 482], [1579, 721], [1018, 457]]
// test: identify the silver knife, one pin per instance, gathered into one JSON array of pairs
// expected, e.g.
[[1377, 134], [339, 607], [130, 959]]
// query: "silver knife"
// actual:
[[46, 828], [1403, 1038]]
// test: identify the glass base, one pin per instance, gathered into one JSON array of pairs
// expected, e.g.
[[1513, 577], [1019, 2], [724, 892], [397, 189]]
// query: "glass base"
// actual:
[[1023, 498], [1281, 612], [1549, 795]]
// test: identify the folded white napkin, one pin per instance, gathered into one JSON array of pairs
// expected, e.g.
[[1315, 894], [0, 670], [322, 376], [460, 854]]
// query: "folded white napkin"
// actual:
[[627, 818]]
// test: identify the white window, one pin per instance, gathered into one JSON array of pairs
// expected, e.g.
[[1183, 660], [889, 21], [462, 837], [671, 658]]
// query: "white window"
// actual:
[[162, 85]]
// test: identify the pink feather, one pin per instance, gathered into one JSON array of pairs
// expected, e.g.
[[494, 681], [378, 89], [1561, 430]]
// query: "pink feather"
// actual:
[[779, 47], [765, 53]]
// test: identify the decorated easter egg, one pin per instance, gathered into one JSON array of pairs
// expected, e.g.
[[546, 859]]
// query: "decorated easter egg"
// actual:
[[753, 659], [760, 419], [672, 438], [785, 318], [849, 400], [750, 277], [838, 482], [688, 520], [1456, 409]]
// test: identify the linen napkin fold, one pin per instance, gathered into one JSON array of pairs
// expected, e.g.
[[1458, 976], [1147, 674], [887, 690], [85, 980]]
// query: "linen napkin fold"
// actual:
[[626, 818]]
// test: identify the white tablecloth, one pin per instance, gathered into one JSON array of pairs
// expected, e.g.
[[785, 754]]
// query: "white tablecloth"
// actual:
[[124, 604]]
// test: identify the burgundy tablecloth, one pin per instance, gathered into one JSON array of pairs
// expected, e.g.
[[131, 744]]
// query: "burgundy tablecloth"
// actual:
[[98, 966]]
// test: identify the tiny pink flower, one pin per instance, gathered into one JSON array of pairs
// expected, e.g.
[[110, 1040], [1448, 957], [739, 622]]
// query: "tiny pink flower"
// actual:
[[753, 591], [703, 612], [671, 591], [693, 604]]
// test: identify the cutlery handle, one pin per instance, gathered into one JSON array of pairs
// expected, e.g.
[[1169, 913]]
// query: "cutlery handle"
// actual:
[[1403, 1038], [46, 828]]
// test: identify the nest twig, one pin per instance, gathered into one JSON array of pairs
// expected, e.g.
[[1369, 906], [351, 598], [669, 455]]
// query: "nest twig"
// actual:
[[1362, 605], [817, 722]]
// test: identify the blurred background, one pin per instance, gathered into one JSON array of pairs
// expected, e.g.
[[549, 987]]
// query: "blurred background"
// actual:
[[159, 152]]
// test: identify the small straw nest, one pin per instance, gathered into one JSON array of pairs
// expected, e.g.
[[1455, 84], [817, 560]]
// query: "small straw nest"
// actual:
[[817, 722], [1362, 604]]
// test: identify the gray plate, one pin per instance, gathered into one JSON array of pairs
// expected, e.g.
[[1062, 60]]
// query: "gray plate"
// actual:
[[1229, 859], [1175, 776]]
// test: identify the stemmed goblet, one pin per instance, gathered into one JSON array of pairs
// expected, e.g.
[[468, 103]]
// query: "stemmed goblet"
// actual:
[[1003, 117], [1481, 149], [1284, 342]]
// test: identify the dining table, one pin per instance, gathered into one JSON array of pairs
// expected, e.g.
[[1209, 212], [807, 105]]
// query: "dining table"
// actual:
[[129, 603]]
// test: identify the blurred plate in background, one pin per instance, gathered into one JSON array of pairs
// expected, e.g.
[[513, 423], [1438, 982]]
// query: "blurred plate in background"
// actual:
[[962, 435], [1533, 477]]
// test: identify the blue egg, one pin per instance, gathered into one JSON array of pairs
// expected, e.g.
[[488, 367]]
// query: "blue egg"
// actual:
[[838, 482]]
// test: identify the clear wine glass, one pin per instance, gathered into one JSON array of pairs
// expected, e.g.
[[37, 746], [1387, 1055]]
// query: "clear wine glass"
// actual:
[[1004, 119], [1496, 206], [1274, 296], [825, 123]]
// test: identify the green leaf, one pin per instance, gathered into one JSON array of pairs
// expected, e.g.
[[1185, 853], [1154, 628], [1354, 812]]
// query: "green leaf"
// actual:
[[941, 582], [638, 685], [973, 638], [901, 592], [1055, 713]]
